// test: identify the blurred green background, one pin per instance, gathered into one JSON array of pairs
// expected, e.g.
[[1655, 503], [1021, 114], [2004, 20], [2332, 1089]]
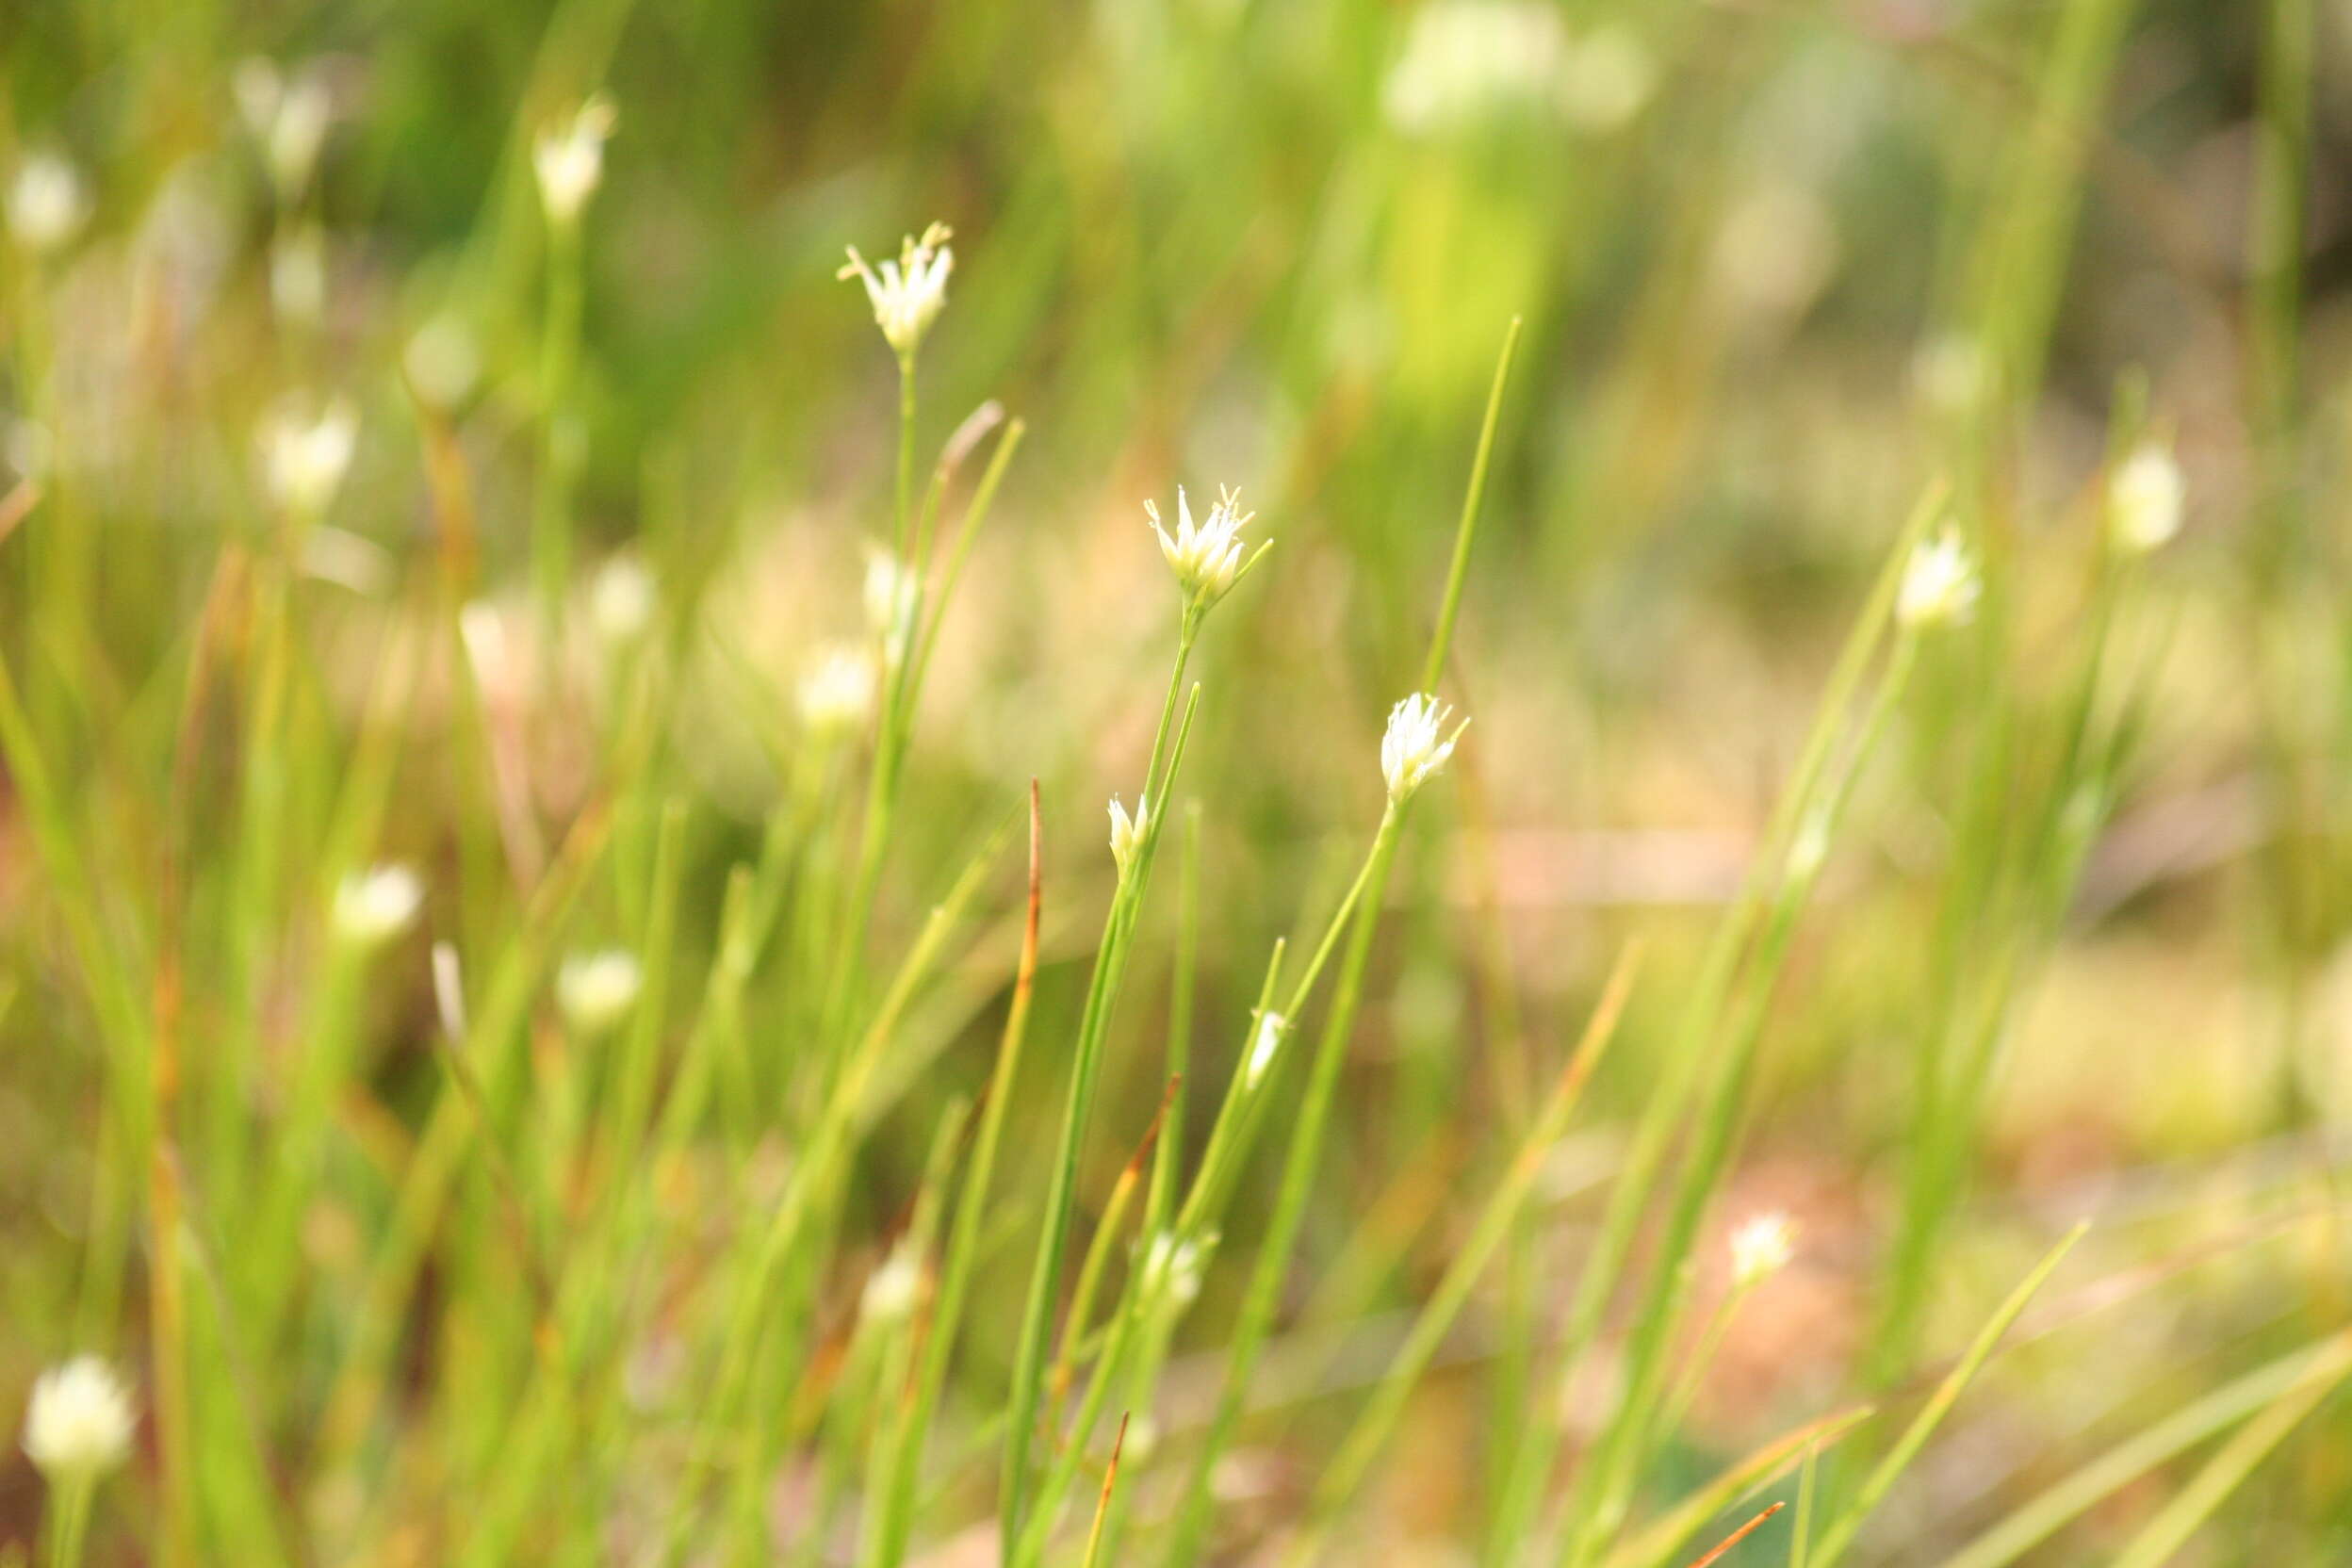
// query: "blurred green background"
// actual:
[[1780, 266]]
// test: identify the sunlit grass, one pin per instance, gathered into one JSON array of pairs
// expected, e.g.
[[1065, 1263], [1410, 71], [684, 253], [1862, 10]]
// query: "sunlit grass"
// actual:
[[668, 902]]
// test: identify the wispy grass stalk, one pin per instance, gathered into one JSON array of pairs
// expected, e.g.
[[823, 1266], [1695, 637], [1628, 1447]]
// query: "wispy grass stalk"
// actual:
[[1339, 1022], [1679, 1073]]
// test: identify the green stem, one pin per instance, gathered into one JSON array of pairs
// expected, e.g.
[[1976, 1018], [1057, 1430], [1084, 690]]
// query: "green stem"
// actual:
[[1306, 1141], [69, 1525], [1101, 994]]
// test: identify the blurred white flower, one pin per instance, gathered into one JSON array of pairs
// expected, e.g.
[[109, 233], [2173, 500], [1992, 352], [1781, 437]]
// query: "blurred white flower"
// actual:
[[1128, 832], [2143, 498], [568, 156], [837, 693], [79, 1423], [372, 906], [288, 117], [1262, 1047], [1413, 750], [47, 202], [890, 592], [1606, 79], [1760, 1248], [338, 556], [596, 991], [907, 294], [1172, 1267], [1808, 850], [1463, 59], [305, 457], [443, 362], [1205, 558], [1939, 584], [893, 1288], [622, 598]]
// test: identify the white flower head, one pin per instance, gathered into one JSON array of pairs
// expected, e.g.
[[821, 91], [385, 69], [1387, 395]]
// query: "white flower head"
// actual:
[[305, 457], [893, 1288], [568, 156], [890, 592], [837, 692], [1206, 556], [374, 906], [907, 294], [2143, 498], [1415, 748], [1127, 832], [596, 991], [1939, 584], [1264, 1045], [622, 598], [1760, 1248], [47, 202], [79, 1423], [1172, 1266]]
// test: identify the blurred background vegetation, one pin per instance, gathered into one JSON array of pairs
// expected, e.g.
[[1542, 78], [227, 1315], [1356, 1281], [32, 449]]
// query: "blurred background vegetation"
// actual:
[[1781, 265]]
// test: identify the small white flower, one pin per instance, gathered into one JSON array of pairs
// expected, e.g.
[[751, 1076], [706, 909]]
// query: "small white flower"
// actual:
[[79, 1423], [2143, 498], [1939, 584], [907, 294], [890, 592], [306, 458], [1262, 1047], [46, 202], [1172, 1267], [1128, 832], [893, 1289], [568, 158], [596, 991], [1761, 1248], [1413, 750], [837, 693], [374, 906], [622, 600], [1205, 557]]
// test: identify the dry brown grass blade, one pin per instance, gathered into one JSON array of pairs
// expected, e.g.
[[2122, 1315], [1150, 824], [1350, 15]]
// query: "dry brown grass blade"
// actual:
[[1103, 1503], [1737, 1536]]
